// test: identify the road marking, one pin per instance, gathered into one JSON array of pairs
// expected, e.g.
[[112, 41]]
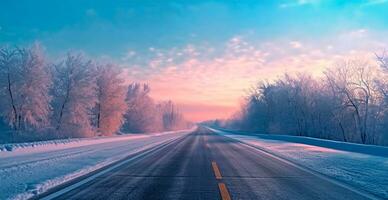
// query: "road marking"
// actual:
[[216, 170], [224, 191]]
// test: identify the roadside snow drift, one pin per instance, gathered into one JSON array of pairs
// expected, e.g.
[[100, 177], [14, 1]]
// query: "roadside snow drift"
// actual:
[[27, 169], [364, 168]]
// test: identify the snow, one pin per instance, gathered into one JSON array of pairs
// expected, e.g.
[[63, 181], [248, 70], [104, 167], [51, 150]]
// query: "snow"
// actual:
[[361, 166], [63, 143], [27, 169]]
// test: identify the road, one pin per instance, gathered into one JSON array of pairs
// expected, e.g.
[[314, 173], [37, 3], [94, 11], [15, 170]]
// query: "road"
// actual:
[[204, 165]]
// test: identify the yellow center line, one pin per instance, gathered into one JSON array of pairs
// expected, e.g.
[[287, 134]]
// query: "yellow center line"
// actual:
[[217, 172], [221, 186], [224, 191]]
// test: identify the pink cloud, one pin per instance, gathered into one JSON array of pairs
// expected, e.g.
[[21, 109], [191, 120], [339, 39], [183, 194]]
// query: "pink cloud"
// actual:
[[192, 78]]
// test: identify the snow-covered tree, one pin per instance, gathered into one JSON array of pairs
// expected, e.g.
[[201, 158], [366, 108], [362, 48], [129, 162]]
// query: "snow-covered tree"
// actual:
[[347, 104], [9, 79], [142, 114], [353, 82], [172, 118], [111, 105], [383, 87], [74, 96], [26, 80]]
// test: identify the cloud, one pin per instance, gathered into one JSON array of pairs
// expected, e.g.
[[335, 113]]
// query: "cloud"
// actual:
[[374, 2], [358, 33], [128, 55], [188, 71], [296, 3], [296, 44], [199, 74]]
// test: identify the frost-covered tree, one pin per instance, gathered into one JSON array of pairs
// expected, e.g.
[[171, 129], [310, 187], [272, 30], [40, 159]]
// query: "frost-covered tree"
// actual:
[[25, 83], [111, 105], [348, 104], [74, 96], [172, 118], [353, 82], [383, 87], [9, 79], [142, 114], [35, 100]]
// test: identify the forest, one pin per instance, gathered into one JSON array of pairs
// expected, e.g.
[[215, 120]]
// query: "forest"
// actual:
[[348, 103], [74, 97]]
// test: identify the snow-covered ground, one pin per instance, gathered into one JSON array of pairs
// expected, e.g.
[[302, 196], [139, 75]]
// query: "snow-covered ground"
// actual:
[[364, 167], [27, 169]]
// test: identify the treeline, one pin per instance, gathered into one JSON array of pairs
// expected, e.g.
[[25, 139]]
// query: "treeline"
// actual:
[[349, 103], [75, 97], [144, 115]]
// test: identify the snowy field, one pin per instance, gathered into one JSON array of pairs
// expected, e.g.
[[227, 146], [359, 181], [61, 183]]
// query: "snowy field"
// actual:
[[365, 168], [27, 169]]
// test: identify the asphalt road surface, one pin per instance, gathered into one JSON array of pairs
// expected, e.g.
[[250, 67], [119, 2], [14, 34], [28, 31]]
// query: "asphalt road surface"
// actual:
[[204, 165]]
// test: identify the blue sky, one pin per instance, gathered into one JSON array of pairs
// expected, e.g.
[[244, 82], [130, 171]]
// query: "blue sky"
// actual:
[[112, 27], [182, 47]]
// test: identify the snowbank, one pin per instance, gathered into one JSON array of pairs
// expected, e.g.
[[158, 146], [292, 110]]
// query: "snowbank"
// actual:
[[338, 145], [32, 168], [361, 166], [73, 142], [62, 143]]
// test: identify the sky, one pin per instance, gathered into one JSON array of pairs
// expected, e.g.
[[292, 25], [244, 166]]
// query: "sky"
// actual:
[[204, 55]]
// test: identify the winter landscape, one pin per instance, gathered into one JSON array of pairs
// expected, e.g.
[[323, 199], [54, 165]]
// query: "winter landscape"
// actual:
[[200, 99]]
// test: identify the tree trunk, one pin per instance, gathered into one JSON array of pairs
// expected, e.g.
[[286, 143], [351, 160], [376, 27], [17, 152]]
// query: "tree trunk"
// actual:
[[15, 118], [98, 115], [343, 132], [63, 107]]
